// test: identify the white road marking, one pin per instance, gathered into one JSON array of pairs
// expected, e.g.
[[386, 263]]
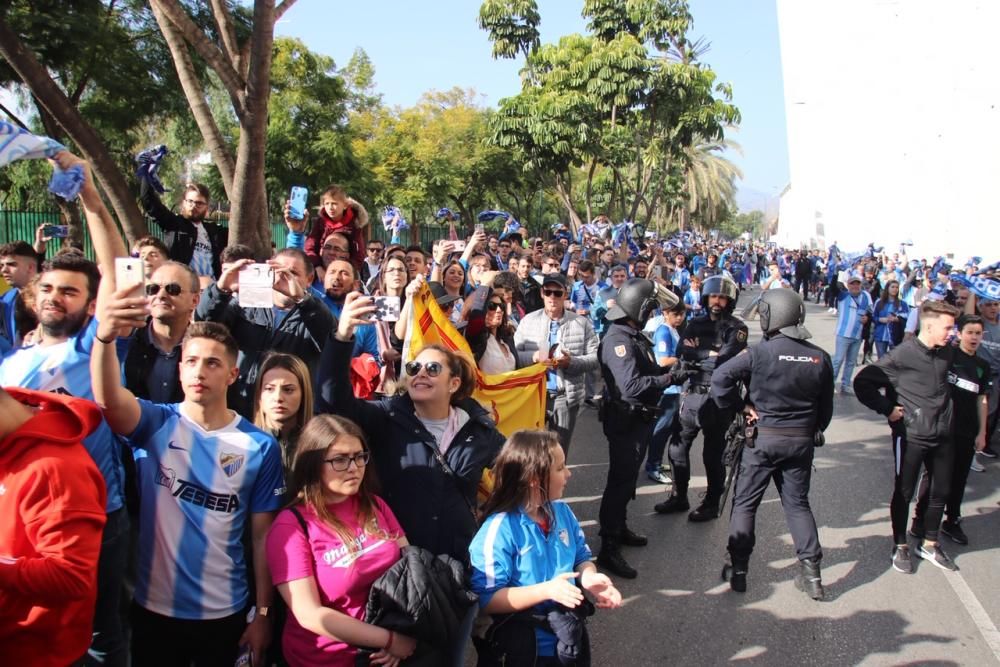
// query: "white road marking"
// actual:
[[979, 616]]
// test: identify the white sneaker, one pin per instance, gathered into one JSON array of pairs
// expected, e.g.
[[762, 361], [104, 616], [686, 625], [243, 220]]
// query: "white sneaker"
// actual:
[[976, 466], [831, 311]]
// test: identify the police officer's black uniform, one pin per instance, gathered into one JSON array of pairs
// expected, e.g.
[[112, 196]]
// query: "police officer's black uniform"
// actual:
[[633, 385], [707, 343], [791, 390]]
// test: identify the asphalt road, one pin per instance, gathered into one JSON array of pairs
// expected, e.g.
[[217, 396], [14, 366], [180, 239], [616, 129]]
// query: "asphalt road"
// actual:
[[679, 612]]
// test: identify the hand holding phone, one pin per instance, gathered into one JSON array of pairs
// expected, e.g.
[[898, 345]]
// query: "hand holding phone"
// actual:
[[129, 274], [56, 231], [297, 201], [386, 309], [256, 283]]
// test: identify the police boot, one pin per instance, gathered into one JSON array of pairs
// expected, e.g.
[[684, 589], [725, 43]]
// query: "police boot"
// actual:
[[630, 538], [610, 558], [706, 511], [808, 580], [677, 502], [735, 572]]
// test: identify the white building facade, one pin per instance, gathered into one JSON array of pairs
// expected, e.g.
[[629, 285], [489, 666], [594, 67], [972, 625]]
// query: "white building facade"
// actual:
[[893, 121]]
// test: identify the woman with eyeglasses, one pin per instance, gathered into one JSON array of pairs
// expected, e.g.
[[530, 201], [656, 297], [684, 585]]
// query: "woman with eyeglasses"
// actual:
[[430, 444], [328, 547], [283, 401], [491, 336], [391, 282]]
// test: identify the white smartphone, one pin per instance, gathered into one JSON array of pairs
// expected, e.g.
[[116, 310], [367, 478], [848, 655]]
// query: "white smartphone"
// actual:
[[256, 282], [458, 246], [129, 273]]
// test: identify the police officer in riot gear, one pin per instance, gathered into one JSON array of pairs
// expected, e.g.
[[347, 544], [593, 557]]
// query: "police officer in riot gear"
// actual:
[[790, 395], [633, 385], [709, 341]]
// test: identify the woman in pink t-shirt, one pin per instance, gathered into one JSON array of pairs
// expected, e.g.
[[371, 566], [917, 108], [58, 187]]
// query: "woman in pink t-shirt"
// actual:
[[325, 551]]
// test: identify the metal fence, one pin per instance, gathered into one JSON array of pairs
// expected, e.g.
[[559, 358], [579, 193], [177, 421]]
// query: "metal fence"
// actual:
[[21, 226]]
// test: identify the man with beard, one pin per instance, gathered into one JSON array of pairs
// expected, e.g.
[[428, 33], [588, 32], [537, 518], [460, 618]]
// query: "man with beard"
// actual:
[[531, 291], [59, 361], [709, 341], [189, 239], [297, 323], [337, 284], [711, 268]]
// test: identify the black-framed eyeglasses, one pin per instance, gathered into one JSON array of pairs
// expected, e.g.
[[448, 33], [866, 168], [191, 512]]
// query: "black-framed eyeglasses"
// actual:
[[195, 202], [433, 368], [552, 265], [173, 289], [553, 292], [342, 462], [493, 305]]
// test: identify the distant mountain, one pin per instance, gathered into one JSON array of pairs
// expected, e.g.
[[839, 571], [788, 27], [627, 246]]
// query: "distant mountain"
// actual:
[[748, 199]]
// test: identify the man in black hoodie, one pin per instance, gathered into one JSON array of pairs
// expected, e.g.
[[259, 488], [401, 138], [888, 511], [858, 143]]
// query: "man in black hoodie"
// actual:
[[917, 403]]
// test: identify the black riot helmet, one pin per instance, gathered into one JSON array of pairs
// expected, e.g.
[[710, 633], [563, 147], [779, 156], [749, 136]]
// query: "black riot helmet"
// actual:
[[782, 311], [638, 298], [722, 285]]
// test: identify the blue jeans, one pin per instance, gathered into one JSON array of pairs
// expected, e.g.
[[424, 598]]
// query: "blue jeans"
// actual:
[[664, 430], [108, 644], [846, 355], [882, 347]]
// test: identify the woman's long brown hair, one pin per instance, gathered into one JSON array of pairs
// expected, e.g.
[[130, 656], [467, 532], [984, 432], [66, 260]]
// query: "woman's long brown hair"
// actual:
[[526, 457], [306, 480]]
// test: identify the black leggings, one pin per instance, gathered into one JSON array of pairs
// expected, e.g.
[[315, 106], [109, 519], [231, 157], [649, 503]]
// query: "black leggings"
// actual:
[[832, 293], [964, 452], [909, 459]]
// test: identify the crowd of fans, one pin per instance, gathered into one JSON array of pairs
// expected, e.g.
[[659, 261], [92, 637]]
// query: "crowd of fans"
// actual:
[[268, 474]]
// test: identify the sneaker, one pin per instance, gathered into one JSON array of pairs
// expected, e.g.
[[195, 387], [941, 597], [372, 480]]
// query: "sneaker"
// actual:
[[935, 554], [976, 466], [658, 477], [953, 531], [988, 453], [901, 559], [672, 504], [846, 390]]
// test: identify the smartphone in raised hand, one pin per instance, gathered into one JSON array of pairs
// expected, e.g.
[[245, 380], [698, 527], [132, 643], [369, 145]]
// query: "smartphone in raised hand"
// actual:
[[255, 284], [129, 273], [297, 201]]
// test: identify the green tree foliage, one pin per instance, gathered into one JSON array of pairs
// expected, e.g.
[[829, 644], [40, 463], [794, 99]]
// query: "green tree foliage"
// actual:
[[435, 154], [512, 26], [615, 109]]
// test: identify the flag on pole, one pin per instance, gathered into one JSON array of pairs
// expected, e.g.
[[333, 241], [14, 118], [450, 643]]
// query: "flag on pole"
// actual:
[[515, 400]]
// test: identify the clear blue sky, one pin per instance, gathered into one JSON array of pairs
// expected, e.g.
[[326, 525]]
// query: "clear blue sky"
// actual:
[[421, 46]]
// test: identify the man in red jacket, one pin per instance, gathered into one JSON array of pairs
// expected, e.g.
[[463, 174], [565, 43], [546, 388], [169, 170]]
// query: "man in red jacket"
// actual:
[[52, 502]]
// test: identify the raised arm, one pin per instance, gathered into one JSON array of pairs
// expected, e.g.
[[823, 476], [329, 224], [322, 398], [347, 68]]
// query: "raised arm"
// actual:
[[117, 313], [104, 235]]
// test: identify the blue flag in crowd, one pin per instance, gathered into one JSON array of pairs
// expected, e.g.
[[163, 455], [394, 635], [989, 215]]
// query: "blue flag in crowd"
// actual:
[[981, 286], [149, 162], [388, 213], [18, 144], [444, 212]]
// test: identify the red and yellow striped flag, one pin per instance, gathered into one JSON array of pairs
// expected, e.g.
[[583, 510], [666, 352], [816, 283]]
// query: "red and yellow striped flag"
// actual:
[[516, 400]]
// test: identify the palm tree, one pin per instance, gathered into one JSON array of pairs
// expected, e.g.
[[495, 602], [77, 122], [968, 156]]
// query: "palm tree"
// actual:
[[709, 181]]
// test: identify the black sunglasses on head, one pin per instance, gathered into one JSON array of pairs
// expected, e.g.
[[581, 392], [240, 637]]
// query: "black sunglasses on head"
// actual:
[[173, 289], [433, 368]]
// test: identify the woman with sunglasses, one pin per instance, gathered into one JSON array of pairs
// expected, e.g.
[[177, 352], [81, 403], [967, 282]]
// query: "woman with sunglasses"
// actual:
[[430, 444], [491, 336], [325, 551], [283, 401]]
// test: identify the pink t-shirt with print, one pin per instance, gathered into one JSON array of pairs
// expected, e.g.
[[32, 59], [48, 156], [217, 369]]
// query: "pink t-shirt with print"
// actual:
[[343, 578]]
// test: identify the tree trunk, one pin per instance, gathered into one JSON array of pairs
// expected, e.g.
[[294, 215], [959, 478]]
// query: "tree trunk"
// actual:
[[221, 154], [50, 97], [590, 180], [564, 196]]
